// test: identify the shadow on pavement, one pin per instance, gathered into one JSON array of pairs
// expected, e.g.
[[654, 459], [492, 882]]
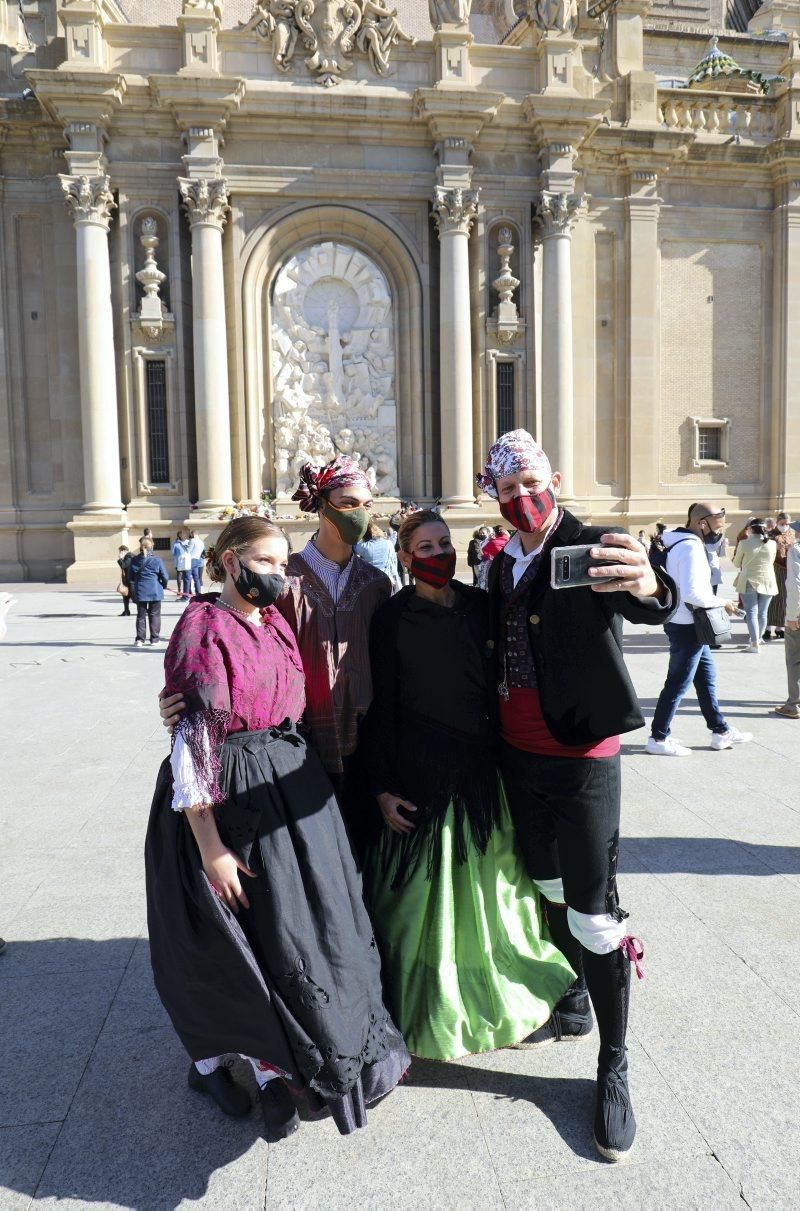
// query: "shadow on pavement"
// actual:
[[567, 1102], [714, 856]]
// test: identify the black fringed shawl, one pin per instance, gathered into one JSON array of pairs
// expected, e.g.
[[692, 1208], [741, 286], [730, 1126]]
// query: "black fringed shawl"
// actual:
[[431, 733]]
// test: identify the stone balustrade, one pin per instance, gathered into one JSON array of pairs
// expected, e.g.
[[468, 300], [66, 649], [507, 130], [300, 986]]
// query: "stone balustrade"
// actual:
[[748, 116]]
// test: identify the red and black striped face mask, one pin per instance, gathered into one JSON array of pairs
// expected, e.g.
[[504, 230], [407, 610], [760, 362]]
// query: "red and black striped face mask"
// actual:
[[527, 513], [436, 570]]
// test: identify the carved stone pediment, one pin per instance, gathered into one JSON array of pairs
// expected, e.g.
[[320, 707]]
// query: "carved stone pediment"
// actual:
[[325, 33]]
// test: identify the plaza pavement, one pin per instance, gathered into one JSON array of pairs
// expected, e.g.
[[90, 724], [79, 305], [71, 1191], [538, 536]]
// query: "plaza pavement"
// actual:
[[94, 1108]]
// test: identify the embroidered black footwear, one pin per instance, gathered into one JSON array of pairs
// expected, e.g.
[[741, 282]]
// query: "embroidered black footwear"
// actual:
[[280, 1114], [614, 1122], [229, 1096], [570, 1022]]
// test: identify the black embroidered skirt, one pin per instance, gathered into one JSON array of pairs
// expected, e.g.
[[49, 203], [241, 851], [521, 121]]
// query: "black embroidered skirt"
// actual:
[[295, 979]]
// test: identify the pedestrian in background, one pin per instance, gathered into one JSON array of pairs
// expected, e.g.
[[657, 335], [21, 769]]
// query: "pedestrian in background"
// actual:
[[642, 537], [690, 660], [148, 578], [197, 550], [378, 550], [791, 707], [475, 549], [493, 547], [755, 559], [124, 586], [785, 538], [182, 558]]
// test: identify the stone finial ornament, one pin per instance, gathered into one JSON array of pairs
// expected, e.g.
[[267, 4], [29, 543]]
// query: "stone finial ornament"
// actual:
[[151, 279]]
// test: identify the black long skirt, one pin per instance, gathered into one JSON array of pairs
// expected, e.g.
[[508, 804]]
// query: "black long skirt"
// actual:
[[295, 979]]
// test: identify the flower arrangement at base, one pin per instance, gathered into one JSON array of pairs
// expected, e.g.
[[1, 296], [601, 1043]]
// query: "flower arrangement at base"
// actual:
[[264, 507]]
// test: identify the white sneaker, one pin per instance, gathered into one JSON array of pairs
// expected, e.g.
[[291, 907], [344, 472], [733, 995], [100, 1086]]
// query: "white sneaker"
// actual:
[[753, 648], [138, 643], [666, 748], [729, 738]]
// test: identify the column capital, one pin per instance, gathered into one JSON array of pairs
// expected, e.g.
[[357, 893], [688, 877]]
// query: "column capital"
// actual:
[[557, 213], [89, 199], [205, 201], [454, 209]]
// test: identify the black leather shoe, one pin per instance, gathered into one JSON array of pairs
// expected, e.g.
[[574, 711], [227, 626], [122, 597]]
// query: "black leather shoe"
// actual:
[[570, 1022], [280, 1113], [614, 1122], [229, 1096]]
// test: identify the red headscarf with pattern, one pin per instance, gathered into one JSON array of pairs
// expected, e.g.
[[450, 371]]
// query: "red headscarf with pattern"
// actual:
[[341, 472]]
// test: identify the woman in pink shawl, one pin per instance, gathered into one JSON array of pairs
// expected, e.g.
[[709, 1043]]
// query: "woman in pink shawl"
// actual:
[[260, 943]]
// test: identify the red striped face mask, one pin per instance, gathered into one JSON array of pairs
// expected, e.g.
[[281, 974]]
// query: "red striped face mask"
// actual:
[[527, 513], [436, 570]]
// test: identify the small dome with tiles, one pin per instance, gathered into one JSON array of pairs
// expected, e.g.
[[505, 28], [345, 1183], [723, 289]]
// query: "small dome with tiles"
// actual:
[[719, 72]]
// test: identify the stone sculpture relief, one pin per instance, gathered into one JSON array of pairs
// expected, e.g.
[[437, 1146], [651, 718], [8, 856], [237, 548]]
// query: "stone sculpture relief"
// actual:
[[333, 365], [557, 16], [328, 31], [449, 12]]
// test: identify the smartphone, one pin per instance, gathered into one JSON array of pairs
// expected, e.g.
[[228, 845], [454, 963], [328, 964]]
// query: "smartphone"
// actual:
[[569, 567]]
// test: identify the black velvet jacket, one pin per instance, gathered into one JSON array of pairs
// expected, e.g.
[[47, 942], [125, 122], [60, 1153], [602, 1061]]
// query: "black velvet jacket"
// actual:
[[585, 690]]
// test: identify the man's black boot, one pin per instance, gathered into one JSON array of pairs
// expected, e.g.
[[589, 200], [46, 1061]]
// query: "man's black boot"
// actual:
[[614, 1121], [229, 1096], [571, 1021], [280, 1113]]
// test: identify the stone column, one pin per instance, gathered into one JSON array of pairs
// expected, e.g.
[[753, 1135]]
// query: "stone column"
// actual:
[[556, 214], [206, 203], [454, 211], [90, 200]]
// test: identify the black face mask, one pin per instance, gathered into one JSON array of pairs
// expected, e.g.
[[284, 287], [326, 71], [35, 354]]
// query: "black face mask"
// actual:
[[259, 589], [711, 538]]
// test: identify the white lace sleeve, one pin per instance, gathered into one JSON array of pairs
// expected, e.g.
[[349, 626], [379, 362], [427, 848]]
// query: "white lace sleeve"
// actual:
[[188, 786]]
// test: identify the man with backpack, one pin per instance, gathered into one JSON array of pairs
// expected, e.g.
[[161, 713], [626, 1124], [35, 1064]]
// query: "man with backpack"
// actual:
[[689, 658]]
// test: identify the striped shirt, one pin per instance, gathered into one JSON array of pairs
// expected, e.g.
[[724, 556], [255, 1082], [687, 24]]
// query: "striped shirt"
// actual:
[[332, 574]]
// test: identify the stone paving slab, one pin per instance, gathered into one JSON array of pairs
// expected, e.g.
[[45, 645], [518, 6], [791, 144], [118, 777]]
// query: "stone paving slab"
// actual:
[[94, 1108]]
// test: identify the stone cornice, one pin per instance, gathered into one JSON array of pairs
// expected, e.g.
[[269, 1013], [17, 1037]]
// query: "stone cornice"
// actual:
[[199, 100], [79, 96], [564, 118], [451, 112]]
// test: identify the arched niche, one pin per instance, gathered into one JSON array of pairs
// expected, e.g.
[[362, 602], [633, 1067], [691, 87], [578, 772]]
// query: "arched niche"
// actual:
[[269, 248]]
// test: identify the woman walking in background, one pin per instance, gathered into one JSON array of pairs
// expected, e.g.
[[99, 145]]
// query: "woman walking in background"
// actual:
[[260, 942], [182, 558], [148, 578], [456, 916], [785, 538], [756, 583], [376, 549], [197, 551], [475, 549], [124, 588]]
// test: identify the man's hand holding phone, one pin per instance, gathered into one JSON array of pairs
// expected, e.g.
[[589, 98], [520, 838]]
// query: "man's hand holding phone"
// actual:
[[618, 564]]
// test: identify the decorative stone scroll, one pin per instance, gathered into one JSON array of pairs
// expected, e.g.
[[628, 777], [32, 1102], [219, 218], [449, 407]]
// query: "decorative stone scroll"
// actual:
[[557, 213], [328, 31], [333, 365], [89, 199], [205, 200], [455, 209]]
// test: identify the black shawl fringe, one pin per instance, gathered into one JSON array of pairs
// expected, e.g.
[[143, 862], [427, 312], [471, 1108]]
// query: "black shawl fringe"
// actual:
[[442, 767]]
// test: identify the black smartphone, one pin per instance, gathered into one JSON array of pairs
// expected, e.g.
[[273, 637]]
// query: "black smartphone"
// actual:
[[569, 567]]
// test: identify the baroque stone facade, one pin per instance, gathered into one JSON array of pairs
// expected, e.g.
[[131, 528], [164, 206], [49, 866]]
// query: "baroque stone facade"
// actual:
[[234, 235]]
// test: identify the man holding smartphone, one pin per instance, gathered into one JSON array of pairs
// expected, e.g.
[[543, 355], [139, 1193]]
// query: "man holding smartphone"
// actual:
[[565, 698]]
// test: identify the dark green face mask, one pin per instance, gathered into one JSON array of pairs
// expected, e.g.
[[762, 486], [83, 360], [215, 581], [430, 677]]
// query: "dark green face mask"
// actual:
[[351, 524]]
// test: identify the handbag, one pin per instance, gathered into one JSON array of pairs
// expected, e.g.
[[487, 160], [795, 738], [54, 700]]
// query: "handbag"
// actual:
[[712, 624], [122, 589]]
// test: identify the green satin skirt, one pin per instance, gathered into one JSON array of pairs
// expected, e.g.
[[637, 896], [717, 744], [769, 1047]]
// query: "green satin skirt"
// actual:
[[465, 966]]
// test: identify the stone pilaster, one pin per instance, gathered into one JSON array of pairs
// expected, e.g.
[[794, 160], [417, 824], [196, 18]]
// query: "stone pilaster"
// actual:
[[205, 201], [784, 488], [556, 214], [454, 212], [643, 207]]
